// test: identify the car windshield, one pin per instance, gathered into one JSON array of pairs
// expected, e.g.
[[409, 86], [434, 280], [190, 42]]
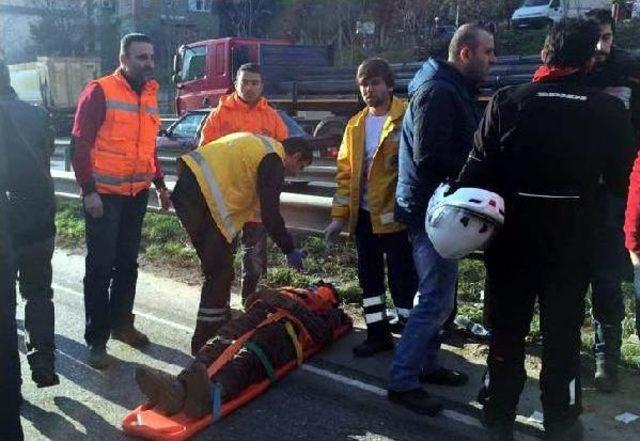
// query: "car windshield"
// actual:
[[536, 2], [188, 126]]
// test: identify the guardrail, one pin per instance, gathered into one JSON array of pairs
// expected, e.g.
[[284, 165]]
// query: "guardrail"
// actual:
[[324, 173], [301, 212]]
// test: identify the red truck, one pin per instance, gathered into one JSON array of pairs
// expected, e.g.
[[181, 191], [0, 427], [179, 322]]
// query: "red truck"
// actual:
[[204, 70], [299, 79]]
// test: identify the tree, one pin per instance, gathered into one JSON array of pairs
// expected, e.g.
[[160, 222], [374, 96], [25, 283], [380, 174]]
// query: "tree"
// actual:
[[246, 18], [62, 28]]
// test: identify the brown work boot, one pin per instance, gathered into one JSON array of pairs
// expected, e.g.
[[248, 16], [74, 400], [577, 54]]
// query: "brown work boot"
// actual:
[[198, 396], [128, 334], [161, 389]]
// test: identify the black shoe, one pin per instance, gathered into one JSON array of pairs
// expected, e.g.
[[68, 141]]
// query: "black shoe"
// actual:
[[606, 378], [416, 400], [445, 377], [198, 398], [372, 346], [162, 389], [396, 325], [43, 371], [98, 358], [44, 376]]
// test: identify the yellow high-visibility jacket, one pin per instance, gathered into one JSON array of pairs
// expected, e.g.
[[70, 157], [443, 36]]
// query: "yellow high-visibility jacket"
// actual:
[[227, 172], [382, 175]]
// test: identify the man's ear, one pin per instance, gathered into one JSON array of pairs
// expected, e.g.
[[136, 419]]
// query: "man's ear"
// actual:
[[465, 53], [297, 156]]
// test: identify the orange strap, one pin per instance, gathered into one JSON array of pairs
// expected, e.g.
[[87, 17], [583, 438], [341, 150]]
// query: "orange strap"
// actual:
[[235, 347]]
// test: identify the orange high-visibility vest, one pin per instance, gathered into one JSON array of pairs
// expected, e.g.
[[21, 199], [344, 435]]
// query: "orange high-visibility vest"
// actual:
[[123, 153]]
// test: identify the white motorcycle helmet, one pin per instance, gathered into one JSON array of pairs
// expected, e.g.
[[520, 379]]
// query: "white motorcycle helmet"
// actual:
[[463, 221]]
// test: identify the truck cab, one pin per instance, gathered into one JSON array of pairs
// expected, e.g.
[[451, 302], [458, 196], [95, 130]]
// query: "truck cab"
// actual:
[[204, 70]]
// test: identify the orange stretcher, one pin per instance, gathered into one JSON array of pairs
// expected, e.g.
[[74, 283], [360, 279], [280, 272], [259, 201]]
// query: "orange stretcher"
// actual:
[[146, 422]]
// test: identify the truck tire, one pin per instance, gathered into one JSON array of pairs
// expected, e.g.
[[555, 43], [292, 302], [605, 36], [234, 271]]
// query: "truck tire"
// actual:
[[331, 126]]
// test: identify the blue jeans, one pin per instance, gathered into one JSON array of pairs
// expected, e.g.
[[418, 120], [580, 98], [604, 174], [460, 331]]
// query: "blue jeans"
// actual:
[[417, 350]]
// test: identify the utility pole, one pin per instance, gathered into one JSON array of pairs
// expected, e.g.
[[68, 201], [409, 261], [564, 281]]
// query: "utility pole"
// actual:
[[457, 14]]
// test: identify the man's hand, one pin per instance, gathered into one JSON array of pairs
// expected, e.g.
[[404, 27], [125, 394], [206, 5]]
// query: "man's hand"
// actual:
[[333, 230], [635, 258], [294, 260], [93, 205], [164, 196]]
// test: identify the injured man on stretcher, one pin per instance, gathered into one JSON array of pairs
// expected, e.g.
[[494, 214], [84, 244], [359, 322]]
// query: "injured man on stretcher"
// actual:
[[278, 327]]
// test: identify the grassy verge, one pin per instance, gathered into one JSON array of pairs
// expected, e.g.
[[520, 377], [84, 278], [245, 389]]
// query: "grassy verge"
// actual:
[[165, 245]]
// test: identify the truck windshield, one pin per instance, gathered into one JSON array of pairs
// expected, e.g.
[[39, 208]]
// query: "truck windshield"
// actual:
[[536, 2], [194, 64]]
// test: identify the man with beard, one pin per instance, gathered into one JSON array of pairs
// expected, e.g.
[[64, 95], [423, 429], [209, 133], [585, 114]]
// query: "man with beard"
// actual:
[[115, 161], [437, 134], [546, 148], [616, 73], [364, 201]]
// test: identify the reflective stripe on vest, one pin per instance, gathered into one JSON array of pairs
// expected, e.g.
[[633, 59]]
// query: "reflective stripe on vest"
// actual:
[[212, 182], [128, 179], [211, 167]]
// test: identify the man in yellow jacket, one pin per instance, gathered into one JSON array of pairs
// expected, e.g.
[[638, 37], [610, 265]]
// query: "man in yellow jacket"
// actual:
[[365, 200], [220, 185]]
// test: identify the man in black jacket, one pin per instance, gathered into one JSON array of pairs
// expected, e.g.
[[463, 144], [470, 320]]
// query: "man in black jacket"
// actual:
[[29, 144], [437, 133], [614, 73], [9, 360], [545, 147]]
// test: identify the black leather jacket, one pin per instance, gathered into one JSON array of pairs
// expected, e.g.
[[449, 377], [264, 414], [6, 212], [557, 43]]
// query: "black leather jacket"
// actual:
[[26, 143]]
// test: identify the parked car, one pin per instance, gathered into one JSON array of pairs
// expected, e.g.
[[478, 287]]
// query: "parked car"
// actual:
[[184, 134]]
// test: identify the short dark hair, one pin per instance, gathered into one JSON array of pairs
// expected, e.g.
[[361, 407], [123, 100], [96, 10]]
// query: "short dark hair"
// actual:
[[466, 35], [298, 144], [571, 43], [376, 67], [129, 39], [249, 67], [5, 78], [602, 17]]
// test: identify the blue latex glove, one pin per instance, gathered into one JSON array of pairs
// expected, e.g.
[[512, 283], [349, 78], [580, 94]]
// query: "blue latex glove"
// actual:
[[294, 259]]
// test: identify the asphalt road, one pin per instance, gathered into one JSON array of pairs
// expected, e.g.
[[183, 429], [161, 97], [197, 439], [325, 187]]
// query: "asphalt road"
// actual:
[[323, 400]]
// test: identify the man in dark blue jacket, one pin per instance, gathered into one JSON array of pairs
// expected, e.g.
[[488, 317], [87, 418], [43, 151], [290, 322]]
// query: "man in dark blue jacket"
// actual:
[[437, 136], [28, 143]]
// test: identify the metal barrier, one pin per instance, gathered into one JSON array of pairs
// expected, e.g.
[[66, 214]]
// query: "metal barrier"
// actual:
[[301, 212]]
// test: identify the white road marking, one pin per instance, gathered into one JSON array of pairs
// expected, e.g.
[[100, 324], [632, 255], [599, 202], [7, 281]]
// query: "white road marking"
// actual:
[[150, 317]]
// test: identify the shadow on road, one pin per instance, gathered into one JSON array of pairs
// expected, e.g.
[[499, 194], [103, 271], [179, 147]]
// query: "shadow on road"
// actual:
[[97, 427]]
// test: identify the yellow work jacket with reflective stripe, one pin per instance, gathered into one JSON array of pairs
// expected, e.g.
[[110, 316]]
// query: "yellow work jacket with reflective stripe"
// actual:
[[123, 153], [227, 172], [382, 174]]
